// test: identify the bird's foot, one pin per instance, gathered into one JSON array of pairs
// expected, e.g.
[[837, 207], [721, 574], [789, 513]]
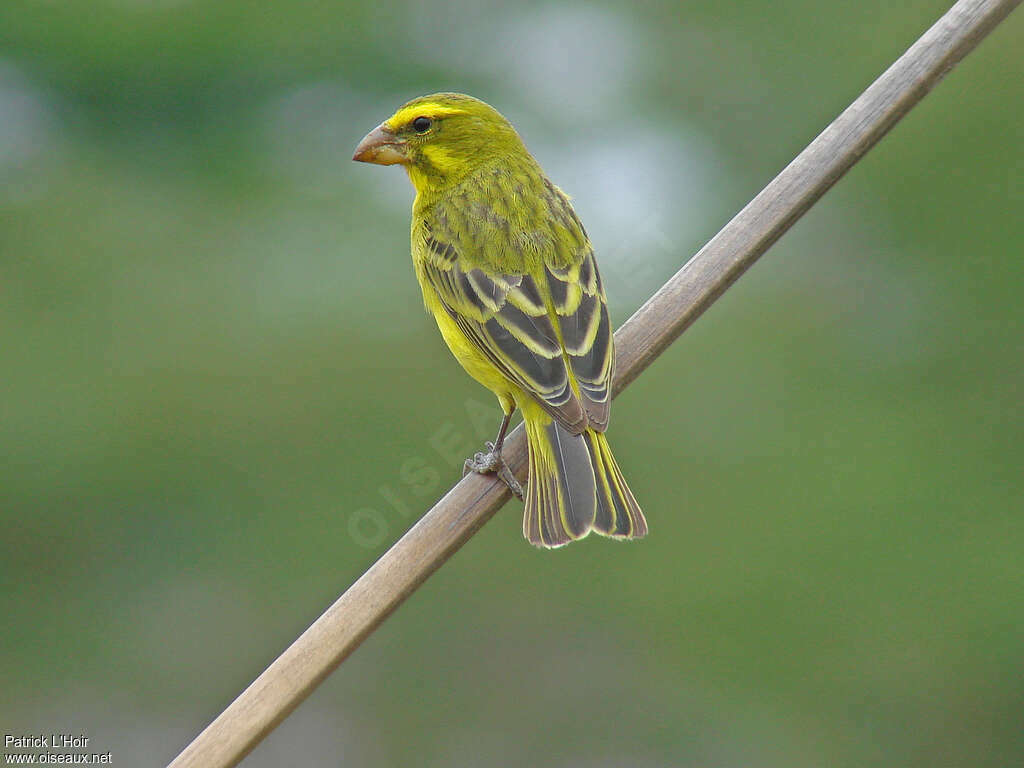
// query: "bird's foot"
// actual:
[[492, 463]]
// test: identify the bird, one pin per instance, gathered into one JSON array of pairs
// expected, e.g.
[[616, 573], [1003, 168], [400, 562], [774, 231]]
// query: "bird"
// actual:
[[508, 273]]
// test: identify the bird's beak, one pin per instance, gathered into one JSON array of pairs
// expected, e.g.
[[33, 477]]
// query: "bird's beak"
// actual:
[[381, 146]]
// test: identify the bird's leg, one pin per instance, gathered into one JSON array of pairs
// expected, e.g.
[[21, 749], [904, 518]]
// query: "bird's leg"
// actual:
[[485, 463]]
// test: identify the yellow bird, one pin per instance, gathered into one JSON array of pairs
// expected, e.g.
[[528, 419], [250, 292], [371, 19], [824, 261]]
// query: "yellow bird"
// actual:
[[508, 273]]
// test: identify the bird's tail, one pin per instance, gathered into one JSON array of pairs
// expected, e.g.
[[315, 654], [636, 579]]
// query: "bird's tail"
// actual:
[[618, 515], [575, 487]]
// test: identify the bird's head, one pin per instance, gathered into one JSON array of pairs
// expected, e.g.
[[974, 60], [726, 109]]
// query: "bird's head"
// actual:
[[440, 139]]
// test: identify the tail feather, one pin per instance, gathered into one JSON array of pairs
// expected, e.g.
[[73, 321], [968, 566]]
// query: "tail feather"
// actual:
[[575, 487], [560, 502], [618, 515]]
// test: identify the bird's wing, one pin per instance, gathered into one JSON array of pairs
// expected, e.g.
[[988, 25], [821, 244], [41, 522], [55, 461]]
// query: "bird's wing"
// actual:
[[545, 326], [578, 300], [506, 317]]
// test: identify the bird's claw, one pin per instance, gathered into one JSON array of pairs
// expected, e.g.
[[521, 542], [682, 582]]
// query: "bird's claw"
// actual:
[[492, 463], [484, 463]]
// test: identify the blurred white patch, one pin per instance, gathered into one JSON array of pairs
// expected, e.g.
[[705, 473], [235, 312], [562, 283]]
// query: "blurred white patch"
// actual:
[[573, 60], [28, 136], [641, 194], [577, 60]]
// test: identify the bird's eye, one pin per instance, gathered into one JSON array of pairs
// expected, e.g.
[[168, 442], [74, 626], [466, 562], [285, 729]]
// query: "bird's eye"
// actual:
[[421, 124]]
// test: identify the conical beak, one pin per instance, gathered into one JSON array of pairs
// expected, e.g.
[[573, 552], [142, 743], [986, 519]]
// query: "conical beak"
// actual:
[[380, 146]]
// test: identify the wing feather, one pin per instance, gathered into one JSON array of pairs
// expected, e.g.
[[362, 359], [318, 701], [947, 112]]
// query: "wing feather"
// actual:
[[582, 312], [505, 317], [548, 331]]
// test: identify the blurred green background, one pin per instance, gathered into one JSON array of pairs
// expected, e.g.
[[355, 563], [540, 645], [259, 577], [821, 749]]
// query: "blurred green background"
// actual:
[[213, 354]]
